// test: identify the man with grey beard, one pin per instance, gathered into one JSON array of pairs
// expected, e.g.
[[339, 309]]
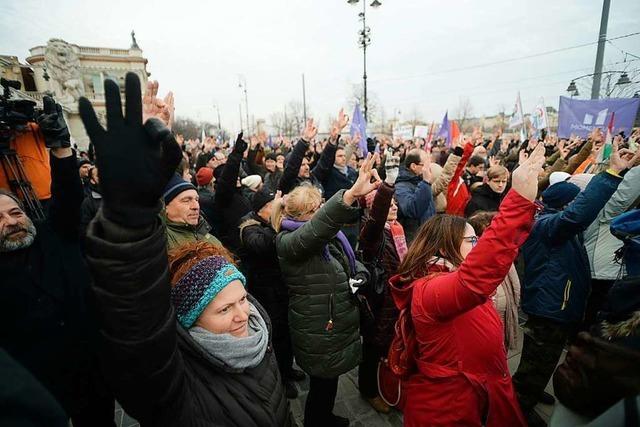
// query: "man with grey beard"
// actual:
[[46, 323]]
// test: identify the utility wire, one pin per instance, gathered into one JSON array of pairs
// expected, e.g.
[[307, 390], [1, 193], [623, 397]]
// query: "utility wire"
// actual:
[[503, 61]]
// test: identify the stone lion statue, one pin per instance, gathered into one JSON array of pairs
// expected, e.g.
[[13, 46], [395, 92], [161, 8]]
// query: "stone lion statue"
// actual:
[[63, 65]]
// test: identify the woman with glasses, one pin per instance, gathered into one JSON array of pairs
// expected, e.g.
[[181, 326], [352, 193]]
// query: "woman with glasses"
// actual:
[[457, 370], [488, 196]]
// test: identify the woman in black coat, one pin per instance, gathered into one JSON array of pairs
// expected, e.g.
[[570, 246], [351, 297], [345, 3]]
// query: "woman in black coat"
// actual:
[[193, 350]]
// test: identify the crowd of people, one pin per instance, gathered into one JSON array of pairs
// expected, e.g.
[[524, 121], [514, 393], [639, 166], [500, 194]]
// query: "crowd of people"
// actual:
[[195, 282]]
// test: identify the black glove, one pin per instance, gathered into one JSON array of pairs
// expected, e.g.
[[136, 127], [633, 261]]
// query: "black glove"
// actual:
[[240, 145], [135, 161], [52, 125]]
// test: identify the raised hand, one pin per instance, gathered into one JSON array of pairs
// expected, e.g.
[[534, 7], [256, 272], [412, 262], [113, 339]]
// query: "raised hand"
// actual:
[[564, 149], [241, 145], [618, 163], [155, 107], [52, 124], [493, 161], [524, 179], [364, 184], [136, 161], [391, 166], [341, 122], [310, 131]]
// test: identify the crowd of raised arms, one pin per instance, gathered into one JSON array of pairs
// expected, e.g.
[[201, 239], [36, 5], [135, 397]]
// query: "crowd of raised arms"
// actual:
[[196, 282]]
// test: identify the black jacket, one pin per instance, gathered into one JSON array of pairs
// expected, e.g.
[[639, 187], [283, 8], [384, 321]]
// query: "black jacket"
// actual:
[[45, 320], [483, 199], [88, 210], [229, 204], [207, 197], [260, 264], [337, 181], [159, 374], [319, 173]]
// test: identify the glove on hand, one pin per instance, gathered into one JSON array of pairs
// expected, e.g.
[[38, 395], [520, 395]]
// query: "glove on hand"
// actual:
[[241, 145], [357, 282], [391, 167], [136, 161], [52, 125]]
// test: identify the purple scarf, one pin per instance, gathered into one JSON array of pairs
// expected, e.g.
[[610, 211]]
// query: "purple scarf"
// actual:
[[291, 224]]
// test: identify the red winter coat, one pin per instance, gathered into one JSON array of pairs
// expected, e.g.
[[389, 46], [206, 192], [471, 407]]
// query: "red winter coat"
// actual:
[[462, 376], [457, 193]]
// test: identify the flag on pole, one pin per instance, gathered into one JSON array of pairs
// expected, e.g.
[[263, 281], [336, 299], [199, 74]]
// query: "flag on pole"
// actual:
[[443, 132], [517, 118], [359, 125], [605, 153], [454, 132], [539, 117], [202, 136], [427, 145], [270, 141]]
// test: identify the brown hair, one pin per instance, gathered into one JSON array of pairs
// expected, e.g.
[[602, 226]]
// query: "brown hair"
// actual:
[[182, 258], [481, 220], [497, 171], [440, 236]]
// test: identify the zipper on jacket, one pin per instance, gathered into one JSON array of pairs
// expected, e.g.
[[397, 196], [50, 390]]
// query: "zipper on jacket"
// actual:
[[567, 292], [329, 326]]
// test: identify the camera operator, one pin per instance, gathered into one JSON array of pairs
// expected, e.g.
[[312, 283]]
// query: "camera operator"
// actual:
[[46, 322]]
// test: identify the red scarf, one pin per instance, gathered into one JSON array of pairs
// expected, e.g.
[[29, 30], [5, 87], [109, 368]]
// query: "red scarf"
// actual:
[[399, 241]]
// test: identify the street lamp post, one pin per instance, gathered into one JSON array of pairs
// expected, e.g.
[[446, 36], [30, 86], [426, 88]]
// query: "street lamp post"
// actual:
[[242, 84], [363, 42], [622, 80]]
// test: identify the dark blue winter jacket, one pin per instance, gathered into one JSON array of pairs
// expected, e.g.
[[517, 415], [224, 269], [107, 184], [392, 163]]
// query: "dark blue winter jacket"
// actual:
[[557, 279], [415, 202], [336, 181]]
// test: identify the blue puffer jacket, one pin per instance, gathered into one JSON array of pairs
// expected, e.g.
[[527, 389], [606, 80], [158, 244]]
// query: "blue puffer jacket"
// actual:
[[415, 202], [557, 279]]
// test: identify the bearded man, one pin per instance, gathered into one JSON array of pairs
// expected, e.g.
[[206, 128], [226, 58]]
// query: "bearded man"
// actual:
[[45, 321]]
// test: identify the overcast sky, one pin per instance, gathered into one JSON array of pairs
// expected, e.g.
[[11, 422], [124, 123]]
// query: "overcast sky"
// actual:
[[198, 49]]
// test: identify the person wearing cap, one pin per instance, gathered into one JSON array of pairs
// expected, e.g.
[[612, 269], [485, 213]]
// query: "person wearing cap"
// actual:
[[84, 165], [265, 281], [557, 279], [206, 191], [182, 214], [250, 185], [269, 171], [230, 203]]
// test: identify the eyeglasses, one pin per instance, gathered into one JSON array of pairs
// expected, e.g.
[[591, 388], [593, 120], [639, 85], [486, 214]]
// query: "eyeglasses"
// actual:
[[471, 239]]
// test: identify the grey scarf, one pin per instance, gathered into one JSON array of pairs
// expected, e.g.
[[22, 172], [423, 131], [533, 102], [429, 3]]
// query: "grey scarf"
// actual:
[[234, 352]]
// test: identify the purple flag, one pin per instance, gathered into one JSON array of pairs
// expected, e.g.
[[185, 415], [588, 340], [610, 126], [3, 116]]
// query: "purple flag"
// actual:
[[580, 117], [270, 142], [443, 132], [359, 125]]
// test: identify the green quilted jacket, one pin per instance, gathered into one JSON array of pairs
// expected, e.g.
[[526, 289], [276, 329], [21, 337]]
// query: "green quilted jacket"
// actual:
[[323, 315]]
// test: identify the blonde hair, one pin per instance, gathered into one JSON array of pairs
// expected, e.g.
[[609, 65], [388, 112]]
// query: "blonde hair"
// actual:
[[300, 202], [497, 171]]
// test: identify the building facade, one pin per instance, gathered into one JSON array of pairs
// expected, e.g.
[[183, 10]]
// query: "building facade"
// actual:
[[69, 71]]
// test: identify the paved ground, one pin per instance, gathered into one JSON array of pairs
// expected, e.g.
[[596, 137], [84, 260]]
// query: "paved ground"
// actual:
[[349, 403]]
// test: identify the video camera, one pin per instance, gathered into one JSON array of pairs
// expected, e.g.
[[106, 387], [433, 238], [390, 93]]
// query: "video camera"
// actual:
[[14, 113], [15, 118]]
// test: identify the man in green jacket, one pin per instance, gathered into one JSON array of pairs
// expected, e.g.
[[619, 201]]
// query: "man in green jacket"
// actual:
[[182, 215]]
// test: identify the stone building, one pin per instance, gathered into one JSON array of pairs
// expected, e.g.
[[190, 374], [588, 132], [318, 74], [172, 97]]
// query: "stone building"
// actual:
[[70, 71]]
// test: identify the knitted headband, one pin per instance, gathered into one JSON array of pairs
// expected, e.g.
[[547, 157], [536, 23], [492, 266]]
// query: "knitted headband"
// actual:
[[200, 285]]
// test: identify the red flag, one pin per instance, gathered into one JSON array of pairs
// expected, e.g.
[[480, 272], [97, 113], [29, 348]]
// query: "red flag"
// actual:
[[455, 131], [427, 145]]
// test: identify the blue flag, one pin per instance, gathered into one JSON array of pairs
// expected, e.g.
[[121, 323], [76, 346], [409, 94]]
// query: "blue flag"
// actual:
[[270, 142], [443, 132], [359, 125]]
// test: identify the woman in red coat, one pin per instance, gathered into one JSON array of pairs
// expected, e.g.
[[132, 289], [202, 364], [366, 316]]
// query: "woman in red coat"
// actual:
[[461, 375]]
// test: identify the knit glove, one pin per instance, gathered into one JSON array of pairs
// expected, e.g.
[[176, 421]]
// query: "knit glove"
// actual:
[[358, 281], [136, 161], [392, 167], [52, 124]]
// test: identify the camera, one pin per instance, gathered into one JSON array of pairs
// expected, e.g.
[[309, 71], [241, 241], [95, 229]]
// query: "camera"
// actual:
[[14, 113]]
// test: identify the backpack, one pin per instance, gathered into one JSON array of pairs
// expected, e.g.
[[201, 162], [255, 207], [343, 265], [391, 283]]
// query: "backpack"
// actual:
[[626, 227], [400, 362]]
